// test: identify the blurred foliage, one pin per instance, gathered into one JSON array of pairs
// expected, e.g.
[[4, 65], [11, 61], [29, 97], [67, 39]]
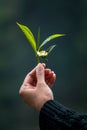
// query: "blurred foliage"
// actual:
[[69, 60]]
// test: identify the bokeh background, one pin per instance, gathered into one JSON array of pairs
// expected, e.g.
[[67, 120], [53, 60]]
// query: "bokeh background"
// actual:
[[68, 60]]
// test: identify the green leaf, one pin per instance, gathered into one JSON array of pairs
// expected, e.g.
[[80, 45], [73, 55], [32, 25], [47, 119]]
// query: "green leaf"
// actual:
[[50, 48], [49, 39], [29, 35]]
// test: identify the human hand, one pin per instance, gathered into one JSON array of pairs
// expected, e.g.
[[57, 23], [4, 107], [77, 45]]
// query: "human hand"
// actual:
[[35, 89]]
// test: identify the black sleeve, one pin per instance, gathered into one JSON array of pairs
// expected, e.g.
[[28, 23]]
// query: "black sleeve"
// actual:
[[54, 116]]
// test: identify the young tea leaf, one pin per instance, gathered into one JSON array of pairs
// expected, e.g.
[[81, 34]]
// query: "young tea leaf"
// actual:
[[29, 35], [50, 48], [49, 39]]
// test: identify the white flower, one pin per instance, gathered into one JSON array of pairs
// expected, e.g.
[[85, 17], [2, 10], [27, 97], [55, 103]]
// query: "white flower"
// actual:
[[42, 53]]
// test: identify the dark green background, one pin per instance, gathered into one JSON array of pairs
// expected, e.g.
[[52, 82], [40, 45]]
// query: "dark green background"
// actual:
[[68, 60]]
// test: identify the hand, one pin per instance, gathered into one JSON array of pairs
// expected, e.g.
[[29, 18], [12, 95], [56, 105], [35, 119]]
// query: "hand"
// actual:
[[35, 89]]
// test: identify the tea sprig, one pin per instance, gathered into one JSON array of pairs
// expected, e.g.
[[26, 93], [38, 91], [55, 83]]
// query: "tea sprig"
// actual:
[[37, 45]]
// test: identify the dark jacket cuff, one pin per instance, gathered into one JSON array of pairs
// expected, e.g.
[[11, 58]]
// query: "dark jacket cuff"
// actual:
[[54, 116]]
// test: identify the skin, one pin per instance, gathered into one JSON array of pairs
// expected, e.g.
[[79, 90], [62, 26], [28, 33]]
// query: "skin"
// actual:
[[36, 88]]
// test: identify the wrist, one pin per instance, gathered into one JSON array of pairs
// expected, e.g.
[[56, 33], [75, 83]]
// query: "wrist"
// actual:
[[42, 103]]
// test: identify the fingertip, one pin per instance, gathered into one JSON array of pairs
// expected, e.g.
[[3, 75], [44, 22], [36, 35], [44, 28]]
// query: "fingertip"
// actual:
[[44, 65], [54, 75], [40, 65]]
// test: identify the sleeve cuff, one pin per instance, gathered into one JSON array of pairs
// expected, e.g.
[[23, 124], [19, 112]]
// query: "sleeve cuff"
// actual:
[[55, 116]]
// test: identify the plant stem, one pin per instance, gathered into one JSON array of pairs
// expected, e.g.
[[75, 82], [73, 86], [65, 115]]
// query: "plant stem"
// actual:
[[38, 59]]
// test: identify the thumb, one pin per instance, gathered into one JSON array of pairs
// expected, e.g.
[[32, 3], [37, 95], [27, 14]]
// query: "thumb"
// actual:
[[40, 73]]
